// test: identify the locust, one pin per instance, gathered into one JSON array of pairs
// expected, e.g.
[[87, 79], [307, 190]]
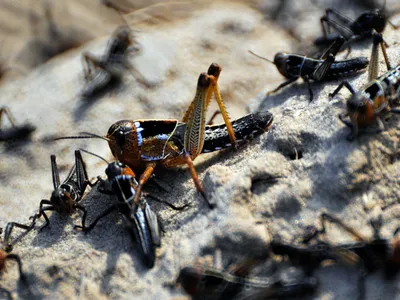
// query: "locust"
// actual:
[[295, 66], [366, 24], [140, 219], [377, 97], [169, 143]]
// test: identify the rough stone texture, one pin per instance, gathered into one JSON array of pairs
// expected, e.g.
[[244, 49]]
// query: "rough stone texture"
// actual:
[[178, 42]]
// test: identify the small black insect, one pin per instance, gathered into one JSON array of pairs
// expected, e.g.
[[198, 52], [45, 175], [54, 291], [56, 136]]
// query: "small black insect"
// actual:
[[363, 27], [65, 197], [139, 217]]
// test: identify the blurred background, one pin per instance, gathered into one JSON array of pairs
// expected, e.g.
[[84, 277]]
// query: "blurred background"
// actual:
[[34, 31], [41, 46]]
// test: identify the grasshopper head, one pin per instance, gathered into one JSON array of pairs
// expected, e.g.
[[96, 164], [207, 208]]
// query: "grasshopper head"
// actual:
[[281, 62], [359, 108], [123, 38], [123, 142], [117, 168], [374, 19]]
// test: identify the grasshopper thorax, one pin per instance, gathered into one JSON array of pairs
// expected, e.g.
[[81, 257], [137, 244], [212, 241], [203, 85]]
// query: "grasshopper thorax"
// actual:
[[61, 200], [289, 65], [356, 103], [360, 109]]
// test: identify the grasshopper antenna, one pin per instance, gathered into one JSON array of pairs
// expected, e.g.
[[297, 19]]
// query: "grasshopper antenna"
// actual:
[[263, 58], [94, 154], [87, 136]]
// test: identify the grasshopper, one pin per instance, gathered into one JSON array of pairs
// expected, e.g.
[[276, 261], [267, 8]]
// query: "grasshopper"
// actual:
[[377, 97], [363, 27], [295, 66], [170, 143], [140, 218], [66, 195], [100, 72]]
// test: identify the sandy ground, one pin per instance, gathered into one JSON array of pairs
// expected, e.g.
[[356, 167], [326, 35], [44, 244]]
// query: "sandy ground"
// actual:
[[179, 41]]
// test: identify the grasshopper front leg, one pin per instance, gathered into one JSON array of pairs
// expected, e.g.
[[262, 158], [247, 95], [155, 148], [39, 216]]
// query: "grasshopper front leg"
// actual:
[[142, 180]]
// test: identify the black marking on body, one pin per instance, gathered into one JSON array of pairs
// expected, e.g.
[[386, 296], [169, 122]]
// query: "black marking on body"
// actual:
[[152, 128], [385, 84], [347, 67], [72, 188], [72, 184], [122, 187], [142, 235], [246, 128], [300, 65], [216, 137]]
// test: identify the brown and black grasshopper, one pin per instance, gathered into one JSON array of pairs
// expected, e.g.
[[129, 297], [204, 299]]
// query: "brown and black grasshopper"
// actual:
[[295, 66], [65, 196], [148, 143], [377, 97], [15, 132]]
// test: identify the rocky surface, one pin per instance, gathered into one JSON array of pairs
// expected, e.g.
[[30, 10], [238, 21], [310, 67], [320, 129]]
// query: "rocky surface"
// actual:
[[307, 147]]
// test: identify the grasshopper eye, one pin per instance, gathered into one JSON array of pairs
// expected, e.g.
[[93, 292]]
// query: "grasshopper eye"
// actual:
[[119, 136]]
